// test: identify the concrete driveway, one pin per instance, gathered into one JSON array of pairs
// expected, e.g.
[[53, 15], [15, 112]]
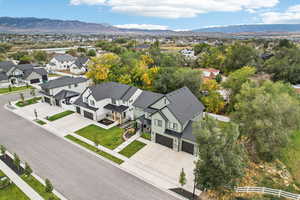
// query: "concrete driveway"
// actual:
[[160, 161]]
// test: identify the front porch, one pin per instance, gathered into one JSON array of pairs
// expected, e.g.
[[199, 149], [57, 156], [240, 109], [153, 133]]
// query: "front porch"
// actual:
[[117, 113]]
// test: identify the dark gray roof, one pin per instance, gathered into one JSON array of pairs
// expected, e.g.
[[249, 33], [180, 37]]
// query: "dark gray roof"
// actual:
[[3, 76], [184, 105], [146, 99], [6, 65], [64, 57], [79, 102], [64, 94], [115, 108], [40, 71], [188, 132], [112, 90], [81, 61], [62, 81], [26, 66]]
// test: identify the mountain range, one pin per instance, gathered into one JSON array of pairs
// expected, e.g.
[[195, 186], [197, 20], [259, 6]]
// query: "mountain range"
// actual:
[[38, 25]]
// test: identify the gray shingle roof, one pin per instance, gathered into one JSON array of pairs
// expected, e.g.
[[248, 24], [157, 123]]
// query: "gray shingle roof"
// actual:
[[79, 102], [64, 58], [112, 90], [62, 81], [3, 76], [184, 105], [66, 94], [6, 65], [40, 71], [188, 132], [146, 99], [81, 61]]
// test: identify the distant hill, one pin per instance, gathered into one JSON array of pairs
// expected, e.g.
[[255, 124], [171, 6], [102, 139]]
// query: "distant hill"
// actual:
[[36, 25], [257, 28]]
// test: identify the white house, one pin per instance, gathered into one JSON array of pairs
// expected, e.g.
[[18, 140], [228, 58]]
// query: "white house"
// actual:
[[61, 62], [188, 53], [80, 65]]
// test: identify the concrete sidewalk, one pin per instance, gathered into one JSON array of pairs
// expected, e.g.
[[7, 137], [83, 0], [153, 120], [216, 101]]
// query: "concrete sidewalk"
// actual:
[[33, 195]]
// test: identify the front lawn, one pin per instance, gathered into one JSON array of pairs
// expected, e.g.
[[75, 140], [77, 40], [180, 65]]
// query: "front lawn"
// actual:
[[146, 136], [14, 89], [110, 138], [291, 156], [40, 122], [12, 192], [60, 115], [132, 148], [28, 102], [39, 187], [94, 149]]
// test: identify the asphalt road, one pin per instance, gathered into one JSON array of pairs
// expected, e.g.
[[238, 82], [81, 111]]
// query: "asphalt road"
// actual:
[[75, 173]]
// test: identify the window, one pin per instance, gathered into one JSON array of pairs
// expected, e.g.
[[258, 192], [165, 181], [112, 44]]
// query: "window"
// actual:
[[165, 100], [92, 102], [175, 126], [85, 99], [169, 125], [113, 101], [76, 85], [159, 123]]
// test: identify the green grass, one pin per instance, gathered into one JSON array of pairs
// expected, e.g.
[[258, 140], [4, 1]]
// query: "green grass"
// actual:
[[14, 89], [38, 187], [132, 148], [60, 115], [94, 149], [1, 173], [28, 102], [40, 122], [146, 136], [291, 156], [53, 75], [110, 138]]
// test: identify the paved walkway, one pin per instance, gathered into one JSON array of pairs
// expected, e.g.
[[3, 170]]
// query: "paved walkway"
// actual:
[[33, 195], [127, 142]]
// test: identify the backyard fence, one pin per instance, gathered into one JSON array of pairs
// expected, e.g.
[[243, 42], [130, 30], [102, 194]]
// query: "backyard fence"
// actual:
[[270, 191]]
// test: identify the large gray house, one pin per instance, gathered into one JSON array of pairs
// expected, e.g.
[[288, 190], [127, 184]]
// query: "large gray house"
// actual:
[[62, 90], [25, 73], [167, 117]]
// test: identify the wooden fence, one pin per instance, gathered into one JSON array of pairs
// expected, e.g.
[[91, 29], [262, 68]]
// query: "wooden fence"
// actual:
[[270, 191]]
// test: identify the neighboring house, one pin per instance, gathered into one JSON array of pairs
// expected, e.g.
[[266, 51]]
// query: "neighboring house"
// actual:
[[209, 73], [169, 118], [63, 90], [80, 65], [108, 100], [25, 73], [188, 53], [61, 62]]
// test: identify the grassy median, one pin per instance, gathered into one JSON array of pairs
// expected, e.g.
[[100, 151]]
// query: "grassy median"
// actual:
[[60, 115], [132, 148]]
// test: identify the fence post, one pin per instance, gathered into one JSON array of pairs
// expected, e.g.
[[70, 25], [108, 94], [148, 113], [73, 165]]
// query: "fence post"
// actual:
[[263, 190], [298, 198], [247, 189]]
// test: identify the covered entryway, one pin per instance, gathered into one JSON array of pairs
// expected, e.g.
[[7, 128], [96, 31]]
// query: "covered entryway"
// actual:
[[163, 140], [32, 81], [88, 115], [187, 147], [57, 102], [47, 100]]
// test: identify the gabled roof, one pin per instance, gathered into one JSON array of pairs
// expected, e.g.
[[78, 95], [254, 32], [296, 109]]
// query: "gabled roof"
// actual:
[[40, 71], [146, 99], [6, 65], [112, 90], [3, 76], [62, 81], [64, 94], [188, 132], [184, 105], [81, 61], [64, 58], [26, 66]]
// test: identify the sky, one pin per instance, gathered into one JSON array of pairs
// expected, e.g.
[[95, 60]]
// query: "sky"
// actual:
[[159, 14]]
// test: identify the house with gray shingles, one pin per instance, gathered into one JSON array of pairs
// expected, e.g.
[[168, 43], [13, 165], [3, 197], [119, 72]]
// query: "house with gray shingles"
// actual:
[[80, 65], [24, 73], [169, 118], [61, 62], [110, 101], [63, 90]]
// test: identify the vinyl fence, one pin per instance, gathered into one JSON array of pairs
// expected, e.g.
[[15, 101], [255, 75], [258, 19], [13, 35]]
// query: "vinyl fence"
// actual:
[[270, 191]]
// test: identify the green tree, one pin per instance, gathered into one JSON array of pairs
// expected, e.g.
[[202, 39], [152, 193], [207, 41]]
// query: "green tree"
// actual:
[[238, 56], [268, 113], [28, 170], [219, 78], [49, 186], [17, 161], [285, 43], [40, 56], [222, 157], [18, 55], [3, 150], [4, 47], [26, 59], [201, 48], [234, 83], [91, 53], [182, 178]]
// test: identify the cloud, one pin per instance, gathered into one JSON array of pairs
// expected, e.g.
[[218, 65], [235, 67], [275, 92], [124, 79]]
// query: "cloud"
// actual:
[[290, 16], [179, 8], [143, 26]]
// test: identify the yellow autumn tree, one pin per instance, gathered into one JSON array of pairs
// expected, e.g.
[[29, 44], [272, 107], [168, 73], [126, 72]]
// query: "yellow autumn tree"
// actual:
[[99, 67], [125, 79]]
